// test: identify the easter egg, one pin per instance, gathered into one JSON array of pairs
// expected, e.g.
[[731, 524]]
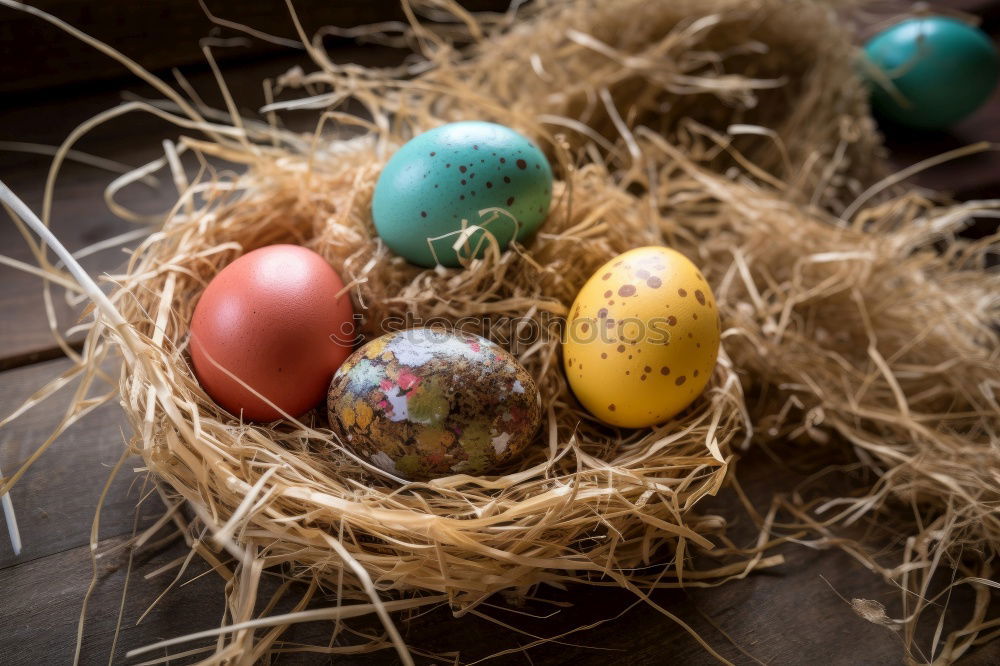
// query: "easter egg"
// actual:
[[276, 320], [642, 338], [941, 70], [425, 403], [456, 176]]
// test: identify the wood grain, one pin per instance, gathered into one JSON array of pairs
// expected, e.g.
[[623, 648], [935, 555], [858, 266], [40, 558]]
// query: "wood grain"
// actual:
[[55, 501]]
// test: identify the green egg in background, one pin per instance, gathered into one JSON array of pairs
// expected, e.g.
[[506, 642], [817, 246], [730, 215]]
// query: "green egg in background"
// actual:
[[942, 69], [461, 171]]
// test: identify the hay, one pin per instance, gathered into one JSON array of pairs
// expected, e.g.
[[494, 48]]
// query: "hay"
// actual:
[[775, 81], [734, 131]]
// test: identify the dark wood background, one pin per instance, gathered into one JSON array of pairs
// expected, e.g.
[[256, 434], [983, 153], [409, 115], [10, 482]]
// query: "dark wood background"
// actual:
[[793, 614]]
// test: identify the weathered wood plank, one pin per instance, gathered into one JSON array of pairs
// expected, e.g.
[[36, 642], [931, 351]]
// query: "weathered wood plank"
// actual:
[[56, 499]]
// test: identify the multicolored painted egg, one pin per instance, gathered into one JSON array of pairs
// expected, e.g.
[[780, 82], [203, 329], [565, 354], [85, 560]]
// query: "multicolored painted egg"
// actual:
[[457, 176], [425, 403], [276, 320], [941, 70], [642, 338]]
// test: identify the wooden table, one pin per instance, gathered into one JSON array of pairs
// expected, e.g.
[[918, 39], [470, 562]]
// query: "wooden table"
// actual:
[[792, 614]]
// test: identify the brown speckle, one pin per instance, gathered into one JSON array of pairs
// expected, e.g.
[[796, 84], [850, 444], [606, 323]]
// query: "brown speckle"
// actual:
[[462, 168], [647, 369], [695, 373], [607, 294], [506, 179], [700, 296], [521, 164], [606, 276], [695, 316], [611, 407], [664, 371], [621, 349], [602, 313], [433, 154], [475, 147], [680, 380], [510, 200], [672, 320], [423, 213], [604, 354], [626, 290], [489, 185], [654, 282], [682, 293], [503, 160], [642, 378], [585, 327], [463, 181]]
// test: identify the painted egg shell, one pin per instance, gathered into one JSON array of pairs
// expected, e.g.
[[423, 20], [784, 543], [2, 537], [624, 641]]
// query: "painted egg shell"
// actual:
[[483, 173], [942, 70], [272, 318], [425, 403], [642, 338]]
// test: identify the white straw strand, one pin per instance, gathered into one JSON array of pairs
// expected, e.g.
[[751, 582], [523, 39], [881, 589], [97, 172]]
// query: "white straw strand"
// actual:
[[8, 514]]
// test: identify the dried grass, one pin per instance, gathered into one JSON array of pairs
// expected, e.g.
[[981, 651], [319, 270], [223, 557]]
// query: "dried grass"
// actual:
[[735, 131]]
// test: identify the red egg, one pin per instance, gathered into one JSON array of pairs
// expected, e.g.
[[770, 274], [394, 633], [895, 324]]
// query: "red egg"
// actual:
[[272, 318]]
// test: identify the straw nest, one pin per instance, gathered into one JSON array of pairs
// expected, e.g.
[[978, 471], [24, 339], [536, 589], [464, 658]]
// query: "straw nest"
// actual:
[[736, 132]]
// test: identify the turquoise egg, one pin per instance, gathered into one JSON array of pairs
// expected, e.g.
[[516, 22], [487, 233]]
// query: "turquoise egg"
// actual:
[[481, 173], [942, 69]]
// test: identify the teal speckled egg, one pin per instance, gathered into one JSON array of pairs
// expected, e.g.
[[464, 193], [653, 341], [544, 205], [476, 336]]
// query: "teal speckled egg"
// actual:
[[485, 174], [942, 68]]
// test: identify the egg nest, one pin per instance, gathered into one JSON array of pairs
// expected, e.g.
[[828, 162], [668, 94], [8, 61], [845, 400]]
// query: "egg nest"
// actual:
[[585, 500], [632, 105]]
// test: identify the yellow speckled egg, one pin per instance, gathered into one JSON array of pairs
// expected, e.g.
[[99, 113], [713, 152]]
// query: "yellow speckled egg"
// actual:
[[642, 338]]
